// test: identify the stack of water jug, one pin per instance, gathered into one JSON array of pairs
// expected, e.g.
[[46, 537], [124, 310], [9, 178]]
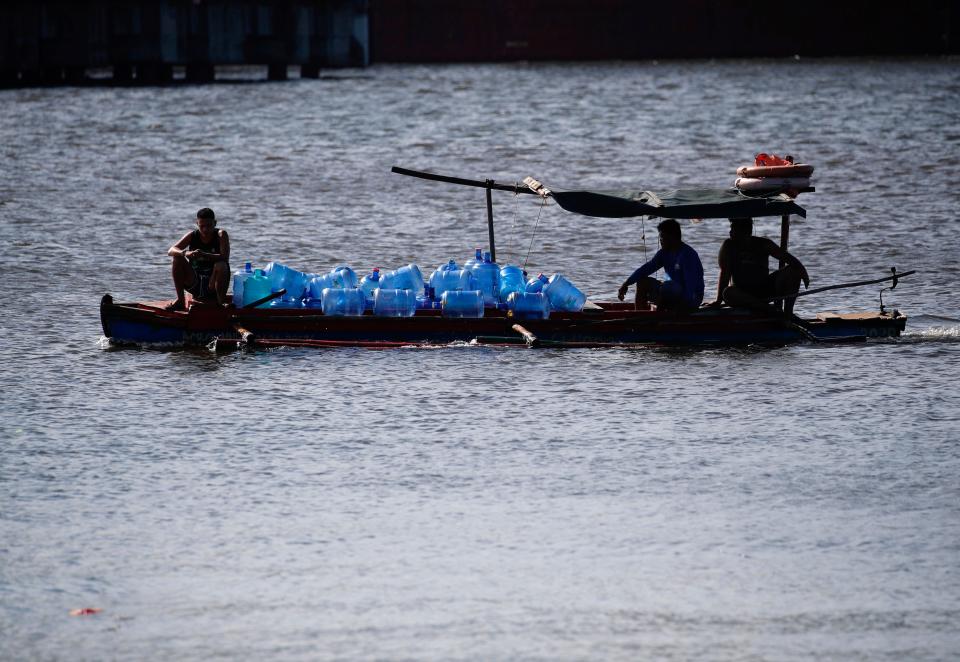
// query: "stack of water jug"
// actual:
[[457, 291]]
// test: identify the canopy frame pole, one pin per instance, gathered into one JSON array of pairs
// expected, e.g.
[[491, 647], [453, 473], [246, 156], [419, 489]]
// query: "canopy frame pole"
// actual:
[[784, 242], [493, 248], [784, 235]]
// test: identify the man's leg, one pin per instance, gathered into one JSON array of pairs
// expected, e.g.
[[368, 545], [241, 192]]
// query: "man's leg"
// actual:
[[219, 281], [787, 282], [647, 288], [183, 276], [735, 297]]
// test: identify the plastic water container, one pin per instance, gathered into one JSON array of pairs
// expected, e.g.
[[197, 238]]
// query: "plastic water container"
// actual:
[[563, 294], [450, 280], [283, 302], [476, 259], [342, 302], [511, 280], [536, 284], [410, 278], [394, 303], [293, 281], [462, 303], [239, 276], [369, 283], [486, 278], [296, 284], [529, 305], [347, 275], [277, 273], [437, 275], [332, 280], [256, 287], [388, 280]]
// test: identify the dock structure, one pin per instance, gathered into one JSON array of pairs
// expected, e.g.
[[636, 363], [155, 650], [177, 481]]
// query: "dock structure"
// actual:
[[150, 42]]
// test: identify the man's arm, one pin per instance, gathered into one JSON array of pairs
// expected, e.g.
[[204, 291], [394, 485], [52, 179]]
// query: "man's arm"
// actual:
[[774, 251], [723, 260], [178, 248], [643, 271]]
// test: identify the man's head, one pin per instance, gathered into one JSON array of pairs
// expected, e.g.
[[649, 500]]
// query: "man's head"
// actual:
[[669, 231], [206, 222], [741, 227]]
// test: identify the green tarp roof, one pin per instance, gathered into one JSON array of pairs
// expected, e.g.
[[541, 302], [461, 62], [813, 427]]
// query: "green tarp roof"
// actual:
[[681, 203]]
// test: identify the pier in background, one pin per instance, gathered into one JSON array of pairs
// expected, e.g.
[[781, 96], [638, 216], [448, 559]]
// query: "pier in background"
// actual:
[[150, 42]]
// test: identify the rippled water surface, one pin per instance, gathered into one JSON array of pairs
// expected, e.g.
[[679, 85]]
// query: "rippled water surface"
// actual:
[[468, 502]]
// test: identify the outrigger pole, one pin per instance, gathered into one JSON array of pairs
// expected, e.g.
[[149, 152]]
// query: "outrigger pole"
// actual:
[[895, 278], [487, 184]]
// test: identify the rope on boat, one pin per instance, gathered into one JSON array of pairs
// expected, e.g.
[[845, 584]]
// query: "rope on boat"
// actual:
[[543, 201]]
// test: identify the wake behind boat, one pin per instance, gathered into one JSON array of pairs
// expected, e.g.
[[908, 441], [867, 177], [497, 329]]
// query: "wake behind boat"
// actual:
[[443, 319]]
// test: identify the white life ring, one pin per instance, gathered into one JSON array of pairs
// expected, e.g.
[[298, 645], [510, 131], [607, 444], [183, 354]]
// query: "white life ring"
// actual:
[[766, 184]]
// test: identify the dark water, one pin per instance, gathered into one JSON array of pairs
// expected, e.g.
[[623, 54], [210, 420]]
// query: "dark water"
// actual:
[[466, 502]]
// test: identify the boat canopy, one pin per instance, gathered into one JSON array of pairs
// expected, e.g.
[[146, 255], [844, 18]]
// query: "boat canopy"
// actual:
[[680, 203]]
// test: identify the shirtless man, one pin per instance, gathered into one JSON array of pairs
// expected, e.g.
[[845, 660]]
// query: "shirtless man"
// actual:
[[744, 259], [201, 262]]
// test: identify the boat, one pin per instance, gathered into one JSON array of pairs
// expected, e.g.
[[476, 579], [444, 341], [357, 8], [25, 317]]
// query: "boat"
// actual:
[[598, 324]]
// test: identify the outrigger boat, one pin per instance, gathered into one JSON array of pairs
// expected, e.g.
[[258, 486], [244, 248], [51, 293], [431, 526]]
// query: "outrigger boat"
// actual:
[[599, 324]]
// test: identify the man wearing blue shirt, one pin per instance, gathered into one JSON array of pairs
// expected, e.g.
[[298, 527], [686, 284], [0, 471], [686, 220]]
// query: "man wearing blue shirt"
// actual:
[[683, 289]]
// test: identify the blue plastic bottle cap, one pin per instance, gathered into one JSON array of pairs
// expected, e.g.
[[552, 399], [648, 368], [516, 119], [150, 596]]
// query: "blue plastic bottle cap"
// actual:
[[249, 267]]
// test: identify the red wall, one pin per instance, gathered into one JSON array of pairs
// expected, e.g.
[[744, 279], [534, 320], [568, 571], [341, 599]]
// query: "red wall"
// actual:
[[504, 30]]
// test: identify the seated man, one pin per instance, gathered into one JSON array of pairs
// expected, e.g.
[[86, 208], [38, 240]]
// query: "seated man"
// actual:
[[201, 262], [744, 259], [684, 289]]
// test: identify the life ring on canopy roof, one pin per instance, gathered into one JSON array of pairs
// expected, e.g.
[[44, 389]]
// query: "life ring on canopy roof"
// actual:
[[797, 170], [770, 184]]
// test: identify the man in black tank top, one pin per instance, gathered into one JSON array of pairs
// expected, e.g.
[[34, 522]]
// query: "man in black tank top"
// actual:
[[744, 260], [201, 262]]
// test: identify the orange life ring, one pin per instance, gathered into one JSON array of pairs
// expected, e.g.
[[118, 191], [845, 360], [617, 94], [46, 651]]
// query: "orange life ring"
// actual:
[[796, 170]]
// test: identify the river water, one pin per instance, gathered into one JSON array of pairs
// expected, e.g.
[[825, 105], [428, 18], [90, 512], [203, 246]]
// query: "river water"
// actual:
[[467, 502]]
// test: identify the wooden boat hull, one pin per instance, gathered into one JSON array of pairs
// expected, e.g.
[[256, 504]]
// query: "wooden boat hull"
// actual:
[[609, 324]]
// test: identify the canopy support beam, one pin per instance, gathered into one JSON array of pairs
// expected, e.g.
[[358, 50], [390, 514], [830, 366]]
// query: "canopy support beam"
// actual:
[[784, 242], [493, 246]]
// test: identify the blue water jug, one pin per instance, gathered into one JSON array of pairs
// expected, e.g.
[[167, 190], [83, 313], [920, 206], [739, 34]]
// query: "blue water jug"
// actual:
[[388, 280], [296, 283], [369, 283], [563, 294], [293, 281], [437, 275], [455, 279], [410, 278], [283, 302], [347, 275], [239, 276], [529, 305], [394, 303], [462, 303], [343, 302], [332, 280], [511, 280], [256, 287], [276, 272], [536, 284], [476, 259], [486, 278]]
